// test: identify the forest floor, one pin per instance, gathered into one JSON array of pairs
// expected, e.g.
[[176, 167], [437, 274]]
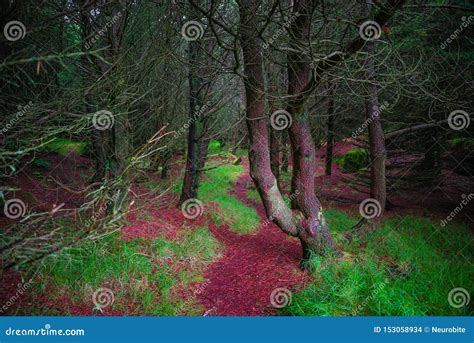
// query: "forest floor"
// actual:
[[229, 260]]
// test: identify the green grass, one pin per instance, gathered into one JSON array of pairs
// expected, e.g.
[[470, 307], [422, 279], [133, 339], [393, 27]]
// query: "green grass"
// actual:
[[65, 146], [139, 271], [215, 187], [214, 147], [252, 193], [354, 160], [405, 268]]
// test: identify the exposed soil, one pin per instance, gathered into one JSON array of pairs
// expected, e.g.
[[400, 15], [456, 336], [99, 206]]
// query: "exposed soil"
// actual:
[[241, 282]]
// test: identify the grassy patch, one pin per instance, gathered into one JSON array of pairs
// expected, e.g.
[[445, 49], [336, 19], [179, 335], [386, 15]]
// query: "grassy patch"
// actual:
[[215, 188], [252, 193], [353, 160], [405, 268], [65, 146], [214, 147], [141, 272]]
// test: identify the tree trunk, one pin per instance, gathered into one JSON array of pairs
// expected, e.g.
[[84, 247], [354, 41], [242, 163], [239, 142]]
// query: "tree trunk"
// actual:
[[315, 235], [275, 154], [330, 133], [311, 229], [259, 154], [191, 176], [377, 149], [198, 139], [285, 152]]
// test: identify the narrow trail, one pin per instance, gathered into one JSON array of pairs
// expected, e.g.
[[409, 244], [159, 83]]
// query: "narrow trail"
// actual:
[[252, 266]]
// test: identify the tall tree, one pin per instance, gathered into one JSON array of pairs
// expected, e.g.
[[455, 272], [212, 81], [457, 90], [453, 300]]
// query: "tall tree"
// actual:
[[377, 151]]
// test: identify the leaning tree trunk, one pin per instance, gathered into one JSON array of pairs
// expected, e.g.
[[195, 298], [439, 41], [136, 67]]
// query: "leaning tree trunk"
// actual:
[[315, 236], [259, 154], [309, 226], [275, 154]]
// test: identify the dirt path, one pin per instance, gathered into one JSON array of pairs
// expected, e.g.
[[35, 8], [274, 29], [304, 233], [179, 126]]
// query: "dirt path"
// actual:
[[241, 281]]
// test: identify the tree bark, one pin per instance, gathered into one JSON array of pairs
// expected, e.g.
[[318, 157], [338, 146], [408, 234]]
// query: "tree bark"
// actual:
[[309, 224], [192, 174], [377, 151], [259, 154], [315, 234], [330, 133], [198, 139], [275, 154]]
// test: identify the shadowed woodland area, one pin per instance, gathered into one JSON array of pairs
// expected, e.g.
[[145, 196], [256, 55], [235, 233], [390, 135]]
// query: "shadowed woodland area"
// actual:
[[237, 157]]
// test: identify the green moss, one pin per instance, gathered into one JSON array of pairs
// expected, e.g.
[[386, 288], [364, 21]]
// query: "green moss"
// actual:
[[215, 188], [353, 160], [66, 146], [405, 268]]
